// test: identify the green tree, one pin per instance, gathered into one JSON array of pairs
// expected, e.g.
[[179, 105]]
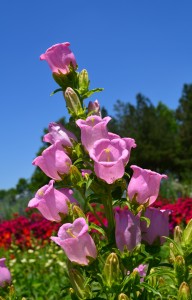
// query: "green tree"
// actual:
[[155, 131], [184, 118]]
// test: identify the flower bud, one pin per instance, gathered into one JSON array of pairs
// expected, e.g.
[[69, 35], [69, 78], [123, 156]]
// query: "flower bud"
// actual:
[[94, 108], [78, 213], [111, 271], [81, 289], [187, 234], [73, 103], [178, 234], [135, 277], [123, 297], [184, 292], [75, 175], [180, 269], [83, 81]]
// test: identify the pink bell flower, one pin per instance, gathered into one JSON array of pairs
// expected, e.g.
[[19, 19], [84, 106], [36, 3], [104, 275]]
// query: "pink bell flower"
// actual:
[[110, 158], [93, 129], [59, 57], [57, 132], [53, 161], [127, 231], [159, 226], [144, 185], [76, 242], [5, 275], [50, 201]]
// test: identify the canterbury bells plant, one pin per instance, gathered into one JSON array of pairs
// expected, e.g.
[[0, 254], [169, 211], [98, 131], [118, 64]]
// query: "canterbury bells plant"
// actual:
[[129, 255]]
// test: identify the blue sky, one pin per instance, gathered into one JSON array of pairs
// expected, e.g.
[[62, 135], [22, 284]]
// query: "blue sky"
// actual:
[[126, 46]]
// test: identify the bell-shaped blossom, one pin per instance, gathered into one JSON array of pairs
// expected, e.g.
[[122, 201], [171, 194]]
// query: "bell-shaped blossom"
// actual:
[[93, 129], [127, 231], [54, 161], [57, 132], [159, 226], [5, 275], [59, 57], [76, 242], [50, 201], [144, 185], [94, 108], [110, 158]]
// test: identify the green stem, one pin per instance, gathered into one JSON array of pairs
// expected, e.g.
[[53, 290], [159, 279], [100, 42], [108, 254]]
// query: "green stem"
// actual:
[[107, 202]]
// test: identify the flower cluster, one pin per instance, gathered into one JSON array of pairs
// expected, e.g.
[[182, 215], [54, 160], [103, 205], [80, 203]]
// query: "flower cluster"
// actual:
[[86, 170]]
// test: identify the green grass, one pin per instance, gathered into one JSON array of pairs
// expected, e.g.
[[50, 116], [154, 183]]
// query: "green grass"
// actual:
[[37, 273]]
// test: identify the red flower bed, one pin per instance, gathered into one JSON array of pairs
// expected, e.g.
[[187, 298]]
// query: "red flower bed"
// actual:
[[26, 232], [181, 211]]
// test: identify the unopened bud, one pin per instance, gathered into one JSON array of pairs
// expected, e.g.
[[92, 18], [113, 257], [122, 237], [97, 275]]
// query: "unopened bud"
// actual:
[[81, 289], [161, 281], [187, 234], [111, 271], [123, 297], [135, 277], [178, 234], [184, 292], [153, 278], [180, 269], [94, 108], [83, 81], [73, 103], [78, 213], [75, 175]]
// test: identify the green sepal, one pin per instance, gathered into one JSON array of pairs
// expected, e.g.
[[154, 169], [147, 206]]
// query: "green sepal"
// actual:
[[56, 91], [147, 220], [98, 228]]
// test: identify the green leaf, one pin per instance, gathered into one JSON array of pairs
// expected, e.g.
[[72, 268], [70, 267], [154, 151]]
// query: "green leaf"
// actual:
[[150, 289], [91, 92]]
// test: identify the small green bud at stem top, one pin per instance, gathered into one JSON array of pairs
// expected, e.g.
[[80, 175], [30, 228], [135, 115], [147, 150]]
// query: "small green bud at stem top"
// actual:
[[83, 81], [111, 271], [78, 284], [73, 103], [184, 292], [78, 213], [177, 234], [180, 269], [123, 297], [187, 234]]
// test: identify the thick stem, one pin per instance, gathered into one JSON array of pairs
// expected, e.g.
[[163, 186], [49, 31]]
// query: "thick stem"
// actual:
[[107, 202]]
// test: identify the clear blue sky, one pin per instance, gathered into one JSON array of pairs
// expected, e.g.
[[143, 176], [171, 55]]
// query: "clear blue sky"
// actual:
[[127, 47]]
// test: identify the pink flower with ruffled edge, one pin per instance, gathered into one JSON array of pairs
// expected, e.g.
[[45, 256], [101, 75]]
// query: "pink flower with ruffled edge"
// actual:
[[76, 242], [110, 158], [144, 185], [5, 275], [57, 132], [127, 231], [50, 201], [93, 129], [59, 57], [53, 161]]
